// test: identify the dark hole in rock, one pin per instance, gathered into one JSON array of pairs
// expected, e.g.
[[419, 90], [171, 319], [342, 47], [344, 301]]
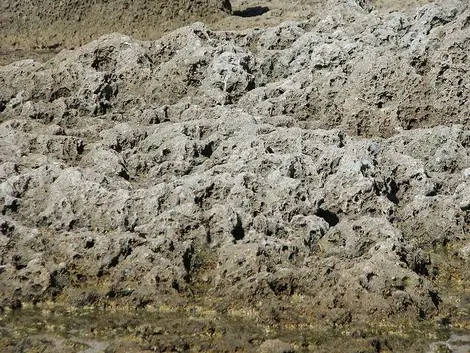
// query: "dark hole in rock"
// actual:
[[198, 200], [114, 261], [102, 61], [238, 232], [175, 285], [251, 11], [291, 171], [59, 93], [445, 321], [123, 174], [19, 262], [11, 206], [58, 282], [113, 293], [117, 147], [416, 263], [331, 218], [6, 228], [280, 287], [392, 192], [19, 266], [2, 106], [438, 21], [80, 147], [436, 300], [16, 304], [44, 117], [251, 85], [376, 345], [434, 191], [420, 268], [208, 236], [90, 243], [207, 150], [107, 92], [53, 46], [187, 259], [422, 314]]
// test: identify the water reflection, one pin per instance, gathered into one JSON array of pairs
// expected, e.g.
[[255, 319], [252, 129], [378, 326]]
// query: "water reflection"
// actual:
[[457, 343]]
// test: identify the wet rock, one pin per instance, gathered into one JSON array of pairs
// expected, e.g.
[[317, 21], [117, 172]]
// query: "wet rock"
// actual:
[[275, 346]]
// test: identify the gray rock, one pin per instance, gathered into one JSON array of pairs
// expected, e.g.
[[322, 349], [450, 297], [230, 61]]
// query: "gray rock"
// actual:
[[275, 346], [320, 161]]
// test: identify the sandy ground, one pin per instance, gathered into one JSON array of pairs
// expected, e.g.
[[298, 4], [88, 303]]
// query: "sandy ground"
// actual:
[[246, 14], [253, 13]]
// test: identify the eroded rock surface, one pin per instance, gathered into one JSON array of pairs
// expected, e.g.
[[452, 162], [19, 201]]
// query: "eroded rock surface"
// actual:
[[305, 171]]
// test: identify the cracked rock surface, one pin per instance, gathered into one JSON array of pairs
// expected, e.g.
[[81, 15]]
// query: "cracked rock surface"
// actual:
[[306, 171]]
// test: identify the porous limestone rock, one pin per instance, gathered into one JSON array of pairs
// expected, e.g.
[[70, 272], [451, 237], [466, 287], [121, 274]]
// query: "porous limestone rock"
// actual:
[[312, 166]]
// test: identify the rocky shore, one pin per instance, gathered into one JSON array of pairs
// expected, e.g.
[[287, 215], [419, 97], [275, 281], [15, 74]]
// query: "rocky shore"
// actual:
[[316, 173], [50, 24]]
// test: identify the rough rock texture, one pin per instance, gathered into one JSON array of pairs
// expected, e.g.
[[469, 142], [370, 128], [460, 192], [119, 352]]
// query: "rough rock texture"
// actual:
[[303, 171], [51, 23], [32, 31]]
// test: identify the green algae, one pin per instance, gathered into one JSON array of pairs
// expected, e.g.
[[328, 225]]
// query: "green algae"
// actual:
[[196, 330]]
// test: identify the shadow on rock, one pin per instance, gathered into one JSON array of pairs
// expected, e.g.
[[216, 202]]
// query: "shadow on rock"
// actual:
[[252, 11]]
